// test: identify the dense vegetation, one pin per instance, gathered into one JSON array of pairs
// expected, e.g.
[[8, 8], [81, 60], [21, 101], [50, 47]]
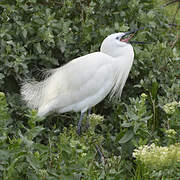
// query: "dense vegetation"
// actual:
[[139, 136]]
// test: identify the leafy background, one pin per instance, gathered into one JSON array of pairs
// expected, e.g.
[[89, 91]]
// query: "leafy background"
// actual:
[[43, 34]]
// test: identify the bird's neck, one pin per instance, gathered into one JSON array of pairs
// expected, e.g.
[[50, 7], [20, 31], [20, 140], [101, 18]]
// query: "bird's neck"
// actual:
[[122, 66], [126, 51], [125, 56], [119, 52]]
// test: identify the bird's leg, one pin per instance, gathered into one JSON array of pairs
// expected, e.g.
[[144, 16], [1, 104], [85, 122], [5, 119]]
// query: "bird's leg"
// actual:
[[99, 152], [79, 123], [89, 111], [87, 118]]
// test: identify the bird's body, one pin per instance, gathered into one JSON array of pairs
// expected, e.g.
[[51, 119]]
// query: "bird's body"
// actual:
[[83, 82]]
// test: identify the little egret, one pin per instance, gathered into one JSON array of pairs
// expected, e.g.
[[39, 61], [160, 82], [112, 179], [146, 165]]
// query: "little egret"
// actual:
[[85, 81]]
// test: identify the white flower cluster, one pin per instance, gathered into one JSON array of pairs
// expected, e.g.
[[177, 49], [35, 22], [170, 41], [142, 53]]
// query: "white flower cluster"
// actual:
[[171, 133], [95, 120], [42, 173], [157, 157], [2, 94], [170, 108], [96, 117], [143, 95], [80, 148]]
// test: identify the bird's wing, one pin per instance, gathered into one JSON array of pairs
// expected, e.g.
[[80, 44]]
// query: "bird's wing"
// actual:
[[80, 78]]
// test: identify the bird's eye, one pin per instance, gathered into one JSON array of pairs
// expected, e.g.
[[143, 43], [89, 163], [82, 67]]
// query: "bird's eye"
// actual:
[[117, 37]]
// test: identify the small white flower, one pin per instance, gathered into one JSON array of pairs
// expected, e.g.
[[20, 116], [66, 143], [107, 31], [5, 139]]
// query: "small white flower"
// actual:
[[170, 108], [143, 95], [157, 157]]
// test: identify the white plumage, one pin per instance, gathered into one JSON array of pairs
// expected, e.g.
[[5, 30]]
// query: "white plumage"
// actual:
[[84, 81]]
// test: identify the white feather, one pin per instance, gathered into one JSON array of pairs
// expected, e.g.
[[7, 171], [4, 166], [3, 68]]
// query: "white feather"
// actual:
[[83, 82]]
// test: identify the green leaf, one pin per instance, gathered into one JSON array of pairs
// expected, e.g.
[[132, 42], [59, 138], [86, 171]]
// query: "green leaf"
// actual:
[[154, 89], [2, 76], [125, 124], [33, 162], [38, 48], [24, 32], [127, 137], [146, 118], [4, 155], [32, 133]]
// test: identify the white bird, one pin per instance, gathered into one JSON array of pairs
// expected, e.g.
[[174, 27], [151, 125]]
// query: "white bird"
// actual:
[[85, 81]]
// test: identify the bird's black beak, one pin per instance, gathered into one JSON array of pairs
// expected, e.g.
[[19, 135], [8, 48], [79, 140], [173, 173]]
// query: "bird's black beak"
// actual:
[[132, 32]]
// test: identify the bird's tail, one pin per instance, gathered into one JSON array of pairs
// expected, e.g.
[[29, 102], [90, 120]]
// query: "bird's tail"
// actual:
[[33, 91]]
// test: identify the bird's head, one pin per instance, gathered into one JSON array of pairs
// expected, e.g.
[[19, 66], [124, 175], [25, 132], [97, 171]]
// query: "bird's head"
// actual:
[[117, 43]]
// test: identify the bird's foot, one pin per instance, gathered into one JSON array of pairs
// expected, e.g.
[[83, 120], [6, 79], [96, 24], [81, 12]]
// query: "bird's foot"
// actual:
[[80, 124], [79, 130], [87, 126], [101, 156]]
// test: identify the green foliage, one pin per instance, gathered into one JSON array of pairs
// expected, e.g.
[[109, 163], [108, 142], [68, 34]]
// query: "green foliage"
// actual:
[[5, 119], [46, 34], [66, 156], [158, 162]]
